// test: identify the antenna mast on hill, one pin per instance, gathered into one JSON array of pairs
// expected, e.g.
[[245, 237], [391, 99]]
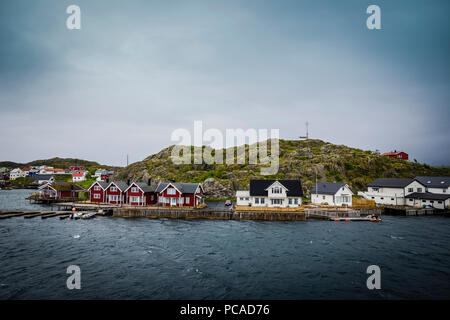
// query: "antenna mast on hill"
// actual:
[[127, 160], [307, 134]]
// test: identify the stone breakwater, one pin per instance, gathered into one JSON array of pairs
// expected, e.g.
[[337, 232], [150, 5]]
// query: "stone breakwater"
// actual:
[[208, 214]]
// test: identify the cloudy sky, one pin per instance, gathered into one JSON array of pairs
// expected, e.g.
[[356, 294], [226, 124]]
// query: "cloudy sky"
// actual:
[[138, 70]]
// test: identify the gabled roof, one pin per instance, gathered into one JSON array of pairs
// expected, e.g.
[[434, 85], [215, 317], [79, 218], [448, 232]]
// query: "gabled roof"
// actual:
[[78, 174], [183, 187], [102, 184], [63, 186], [119, 184], [327, 188], [145, 187], [434, 182], [428, 196], [258, 187], [390, 182], [394, 153], [42, 177]]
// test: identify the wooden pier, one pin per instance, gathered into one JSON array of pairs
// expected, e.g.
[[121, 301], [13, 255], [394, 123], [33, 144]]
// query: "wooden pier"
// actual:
[[30, 214]]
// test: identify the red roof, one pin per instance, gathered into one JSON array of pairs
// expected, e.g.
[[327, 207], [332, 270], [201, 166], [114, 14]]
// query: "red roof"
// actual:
[[392, 153], [78, 174]]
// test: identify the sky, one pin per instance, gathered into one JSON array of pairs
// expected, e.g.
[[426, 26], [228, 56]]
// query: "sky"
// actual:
[[138, 70]]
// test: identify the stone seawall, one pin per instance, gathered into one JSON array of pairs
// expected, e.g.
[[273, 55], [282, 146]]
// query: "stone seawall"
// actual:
[[208, 214]]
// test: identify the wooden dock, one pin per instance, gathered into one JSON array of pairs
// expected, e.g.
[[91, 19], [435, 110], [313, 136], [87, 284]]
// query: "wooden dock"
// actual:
[[30, 214]]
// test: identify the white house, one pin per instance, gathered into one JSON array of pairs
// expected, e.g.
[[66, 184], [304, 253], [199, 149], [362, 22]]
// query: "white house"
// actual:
[[440, 185], [271, 193], [391, 191], [17, 173], [40, 179], [243, 198], [333, 194], [428, 199], [79, 176]]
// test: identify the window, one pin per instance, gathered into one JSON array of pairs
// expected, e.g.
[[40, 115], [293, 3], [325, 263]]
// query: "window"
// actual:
[[382, 198], [295, 201], [134, 199], [257, 200], [290, 201], [323, 197], [439, 201], [134, 189], [410, 199], [262, 200], [241, 198], [431, 201], [444, 190], [392, 199], [247, 199], [171, 191], [96, 196], [419, 189], [373, 197], [277, 201], [113, 189], [96, 188], [276, 190], [410, 189], [187, 200]]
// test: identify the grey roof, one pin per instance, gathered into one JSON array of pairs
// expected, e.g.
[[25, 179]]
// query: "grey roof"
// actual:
[[42, 177], [428, 196], [120, 184], [258, 187], [327, 187], [390, 182], [434, 182], [146, 187], [184, 187], [103, 184]]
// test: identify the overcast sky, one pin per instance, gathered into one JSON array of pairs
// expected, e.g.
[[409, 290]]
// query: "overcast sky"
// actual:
[[138, 70]]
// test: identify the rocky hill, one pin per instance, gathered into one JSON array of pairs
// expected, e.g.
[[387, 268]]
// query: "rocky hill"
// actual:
[[56, 163], [299, 159]]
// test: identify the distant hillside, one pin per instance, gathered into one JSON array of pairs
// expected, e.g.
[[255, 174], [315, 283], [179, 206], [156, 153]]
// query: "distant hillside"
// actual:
[[56, 163], [299, 159]]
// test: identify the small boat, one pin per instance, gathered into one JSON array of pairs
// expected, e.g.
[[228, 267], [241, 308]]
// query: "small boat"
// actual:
[[76, 215], [368, 218], [89, 215]]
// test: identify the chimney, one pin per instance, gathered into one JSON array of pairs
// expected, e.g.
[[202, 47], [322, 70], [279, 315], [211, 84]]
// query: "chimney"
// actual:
[[107, 180], [149, 182], [128, 182]]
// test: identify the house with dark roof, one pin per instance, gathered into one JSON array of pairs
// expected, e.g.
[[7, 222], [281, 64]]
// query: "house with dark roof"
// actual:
[[178, 194], [428, 199], [141, 193], [435, 184], [391, 191], [333, 194], [115, 192], [271, 193]]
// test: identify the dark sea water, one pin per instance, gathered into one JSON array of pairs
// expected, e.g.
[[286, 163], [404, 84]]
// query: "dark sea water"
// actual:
[[214, 259]]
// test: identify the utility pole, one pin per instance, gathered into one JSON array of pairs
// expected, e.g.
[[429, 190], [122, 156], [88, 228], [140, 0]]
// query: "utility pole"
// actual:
[[307, 133]]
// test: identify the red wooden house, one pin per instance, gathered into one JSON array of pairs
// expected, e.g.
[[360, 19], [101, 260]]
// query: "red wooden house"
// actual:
[[173, 194], [115, 192], [141, 193], [97, 191], [396, 155]]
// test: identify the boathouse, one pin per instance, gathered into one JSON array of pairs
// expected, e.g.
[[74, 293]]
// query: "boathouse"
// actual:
[[60, 191]]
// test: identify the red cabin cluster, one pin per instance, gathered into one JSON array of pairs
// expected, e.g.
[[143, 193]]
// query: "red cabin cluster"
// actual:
[[147, 193]]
